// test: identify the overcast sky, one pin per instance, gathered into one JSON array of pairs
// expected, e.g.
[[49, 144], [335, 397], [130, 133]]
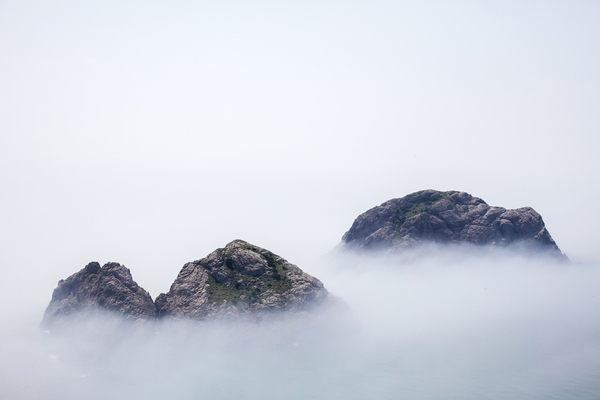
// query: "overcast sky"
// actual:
[[151, 133]]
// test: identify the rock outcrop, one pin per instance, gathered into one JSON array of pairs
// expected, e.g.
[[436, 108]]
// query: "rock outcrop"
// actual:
[[110, 287], [240, 280], [446, 217]]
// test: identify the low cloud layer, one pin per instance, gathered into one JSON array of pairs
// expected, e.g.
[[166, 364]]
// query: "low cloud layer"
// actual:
[[452, 325]]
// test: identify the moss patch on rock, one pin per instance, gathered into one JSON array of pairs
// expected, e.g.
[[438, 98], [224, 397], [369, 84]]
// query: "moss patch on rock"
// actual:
[[243, 288]]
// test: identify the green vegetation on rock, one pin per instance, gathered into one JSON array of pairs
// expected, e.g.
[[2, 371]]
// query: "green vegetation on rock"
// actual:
[[246, 288], [420, 207], [219, 292]]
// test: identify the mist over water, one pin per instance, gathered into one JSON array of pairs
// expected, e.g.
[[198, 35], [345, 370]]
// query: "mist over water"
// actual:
[[454, 324], [152, 133], [485, 323]]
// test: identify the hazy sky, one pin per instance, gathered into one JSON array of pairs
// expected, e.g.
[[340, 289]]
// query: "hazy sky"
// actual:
[[151, 133]]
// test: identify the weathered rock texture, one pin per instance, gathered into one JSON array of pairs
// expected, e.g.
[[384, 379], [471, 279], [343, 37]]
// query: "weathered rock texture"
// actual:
[[110, 287], [446, 217], [240, 280]]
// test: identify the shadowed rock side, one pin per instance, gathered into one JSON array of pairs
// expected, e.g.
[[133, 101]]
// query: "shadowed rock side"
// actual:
[[446, 217], [240, 280], [110, 287]]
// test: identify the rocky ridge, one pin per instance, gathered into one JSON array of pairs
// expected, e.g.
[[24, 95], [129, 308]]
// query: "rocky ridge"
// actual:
[[240, 280], [446, 217]]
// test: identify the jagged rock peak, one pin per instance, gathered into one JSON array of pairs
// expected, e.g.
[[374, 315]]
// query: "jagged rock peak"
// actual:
[[240, 280], [110, 287], [446, 217]]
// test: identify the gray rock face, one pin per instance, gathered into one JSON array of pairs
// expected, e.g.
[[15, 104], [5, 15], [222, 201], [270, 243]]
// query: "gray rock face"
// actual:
[[446, 217], [240, 280], [110, 287]]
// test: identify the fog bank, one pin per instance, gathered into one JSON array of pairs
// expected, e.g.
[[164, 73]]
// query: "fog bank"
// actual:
[[464, 326]]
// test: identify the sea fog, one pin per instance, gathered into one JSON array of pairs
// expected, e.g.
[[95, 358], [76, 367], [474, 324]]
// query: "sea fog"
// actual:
[[152, 133], [454, 324]]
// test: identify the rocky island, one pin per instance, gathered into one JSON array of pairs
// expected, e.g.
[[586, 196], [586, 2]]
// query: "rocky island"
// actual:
[[450, 217], [238, 281]]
